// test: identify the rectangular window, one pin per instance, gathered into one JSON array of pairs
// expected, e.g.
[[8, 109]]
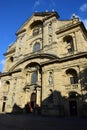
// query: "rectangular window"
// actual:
[[70, 50], [50, 39], [34, 77], [3, 107], [35, 31], [73, 80]]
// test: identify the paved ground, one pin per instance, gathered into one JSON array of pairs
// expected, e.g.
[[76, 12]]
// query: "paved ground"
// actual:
[[32, 122]]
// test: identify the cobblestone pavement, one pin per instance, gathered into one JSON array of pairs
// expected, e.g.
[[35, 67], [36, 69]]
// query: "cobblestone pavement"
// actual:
[[33, 122]]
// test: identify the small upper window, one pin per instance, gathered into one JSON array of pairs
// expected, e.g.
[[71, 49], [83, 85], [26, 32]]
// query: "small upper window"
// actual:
[[11, 59], [69, 43], [74, 80], [35, 31], [6, 86], [73, 76], [36, 47], [34, 77], [50, 28], [50, 39]]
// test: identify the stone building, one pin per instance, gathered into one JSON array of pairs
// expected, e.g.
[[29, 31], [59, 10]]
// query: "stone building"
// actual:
[[46, 67]]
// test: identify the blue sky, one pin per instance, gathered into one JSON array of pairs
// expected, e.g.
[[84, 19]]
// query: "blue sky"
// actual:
[[13, 13]]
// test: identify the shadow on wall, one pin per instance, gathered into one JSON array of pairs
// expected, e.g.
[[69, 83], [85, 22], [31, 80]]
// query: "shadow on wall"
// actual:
[[83, 83], [53, 104], [56, 104], [27, 109], [17, 109], [59, 105]]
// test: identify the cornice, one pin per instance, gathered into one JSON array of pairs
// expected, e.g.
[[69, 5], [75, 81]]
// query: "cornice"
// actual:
[[64, 59], [9, 73], [9, 52], [70, 26], [20, 31], [34, 56], [52, 60]]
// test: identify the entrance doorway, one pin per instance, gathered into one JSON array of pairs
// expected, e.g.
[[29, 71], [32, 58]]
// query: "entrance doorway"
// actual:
[[3, 106], [33, 101], [73, 107]]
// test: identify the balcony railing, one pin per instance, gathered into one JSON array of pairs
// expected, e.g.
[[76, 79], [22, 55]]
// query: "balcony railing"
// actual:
[[71, 86], [32, 85]]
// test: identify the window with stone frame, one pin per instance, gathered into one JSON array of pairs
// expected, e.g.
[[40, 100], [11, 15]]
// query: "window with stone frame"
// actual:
[[50, 39], [73, 80], [11, 59], [6, 87], [72, 74], [36, 47], [35, 31], [69, 43], [34, 77], [50, 28]]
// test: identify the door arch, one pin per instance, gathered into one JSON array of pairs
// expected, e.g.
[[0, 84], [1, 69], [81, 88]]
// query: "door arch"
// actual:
[[33, 101], [73, 103], [73, 107]]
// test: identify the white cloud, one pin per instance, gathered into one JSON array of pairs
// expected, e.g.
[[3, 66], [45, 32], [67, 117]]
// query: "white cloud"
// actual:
[[83, 8], [85, 22], [44, 4], [53, 3], [36, 4], [0, 84], [81, 19], [2, 62]]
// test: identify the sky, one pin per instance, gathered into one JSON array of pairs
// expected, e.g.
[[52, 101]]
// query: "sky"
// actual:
[[13, 14]]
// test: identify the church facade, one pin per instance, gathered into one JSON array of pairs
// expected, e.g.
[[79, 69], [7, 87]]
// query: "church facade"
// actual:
[[46, 68]]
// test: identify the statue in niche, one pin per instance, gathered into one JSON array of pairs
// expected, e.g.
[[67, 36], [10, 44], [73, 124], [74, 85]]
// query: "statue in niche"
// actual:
[[50, 78]]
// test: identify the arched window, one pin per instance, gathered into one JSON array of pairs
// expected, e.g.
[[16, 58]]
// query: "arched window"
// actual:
[[33, 100], [11, 59], [72, 75], [6, 87], [34, 77], [69, 43], [35, 31], [36, 47]]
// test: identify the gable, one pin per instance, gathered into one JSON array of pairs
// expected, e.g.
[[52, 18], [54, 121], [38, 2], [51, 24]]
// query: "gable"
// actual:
[[35, 19]]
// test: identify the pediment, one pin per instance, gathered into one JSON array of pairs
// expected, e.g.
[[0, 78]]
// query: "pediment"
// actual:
[[36, 18], [28, 24]]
